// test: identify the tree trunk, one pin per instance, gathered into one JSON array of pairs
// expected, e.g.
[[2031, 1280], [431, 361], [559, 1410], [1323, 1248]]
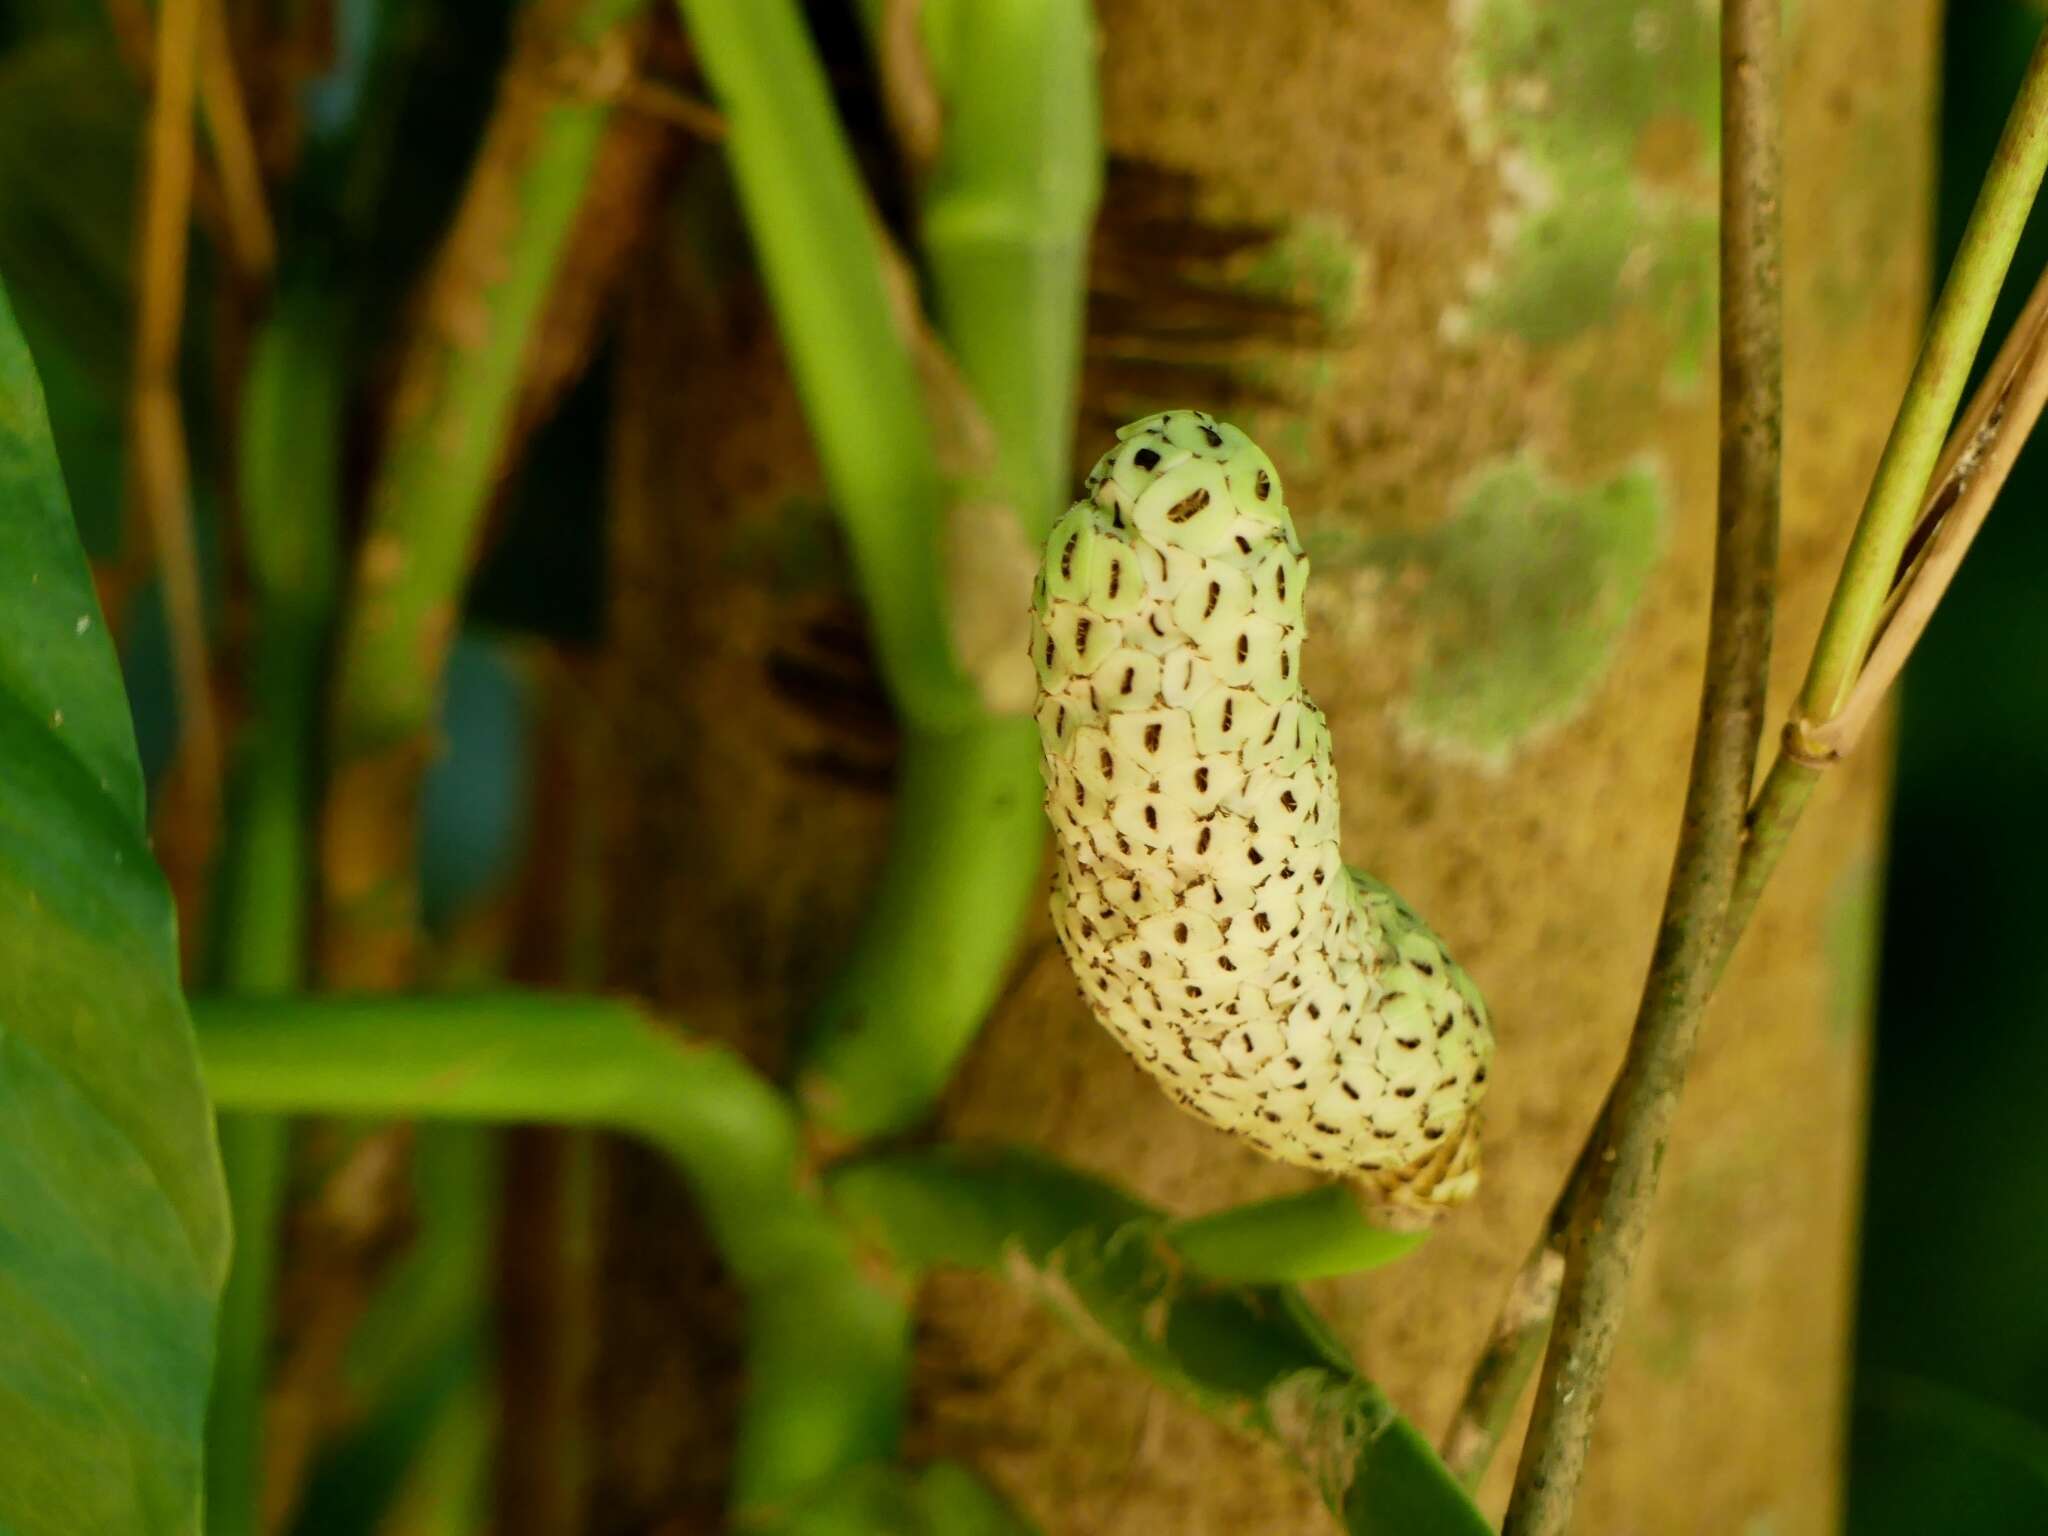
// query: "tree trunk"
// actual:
[[1455, 273]]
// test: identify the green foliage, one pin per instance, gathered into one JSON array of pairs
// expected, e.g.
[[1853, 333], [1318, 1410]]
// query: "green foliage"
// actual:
[[115, 1230], [1253, 1356], [945, 1499]]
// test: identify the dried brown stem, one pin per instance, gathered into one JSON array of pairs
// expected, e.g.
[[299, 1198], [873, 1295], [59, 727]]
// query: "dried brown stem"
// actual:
[[1974, 465], [1608, 1215], [252, 241], [162, 481]]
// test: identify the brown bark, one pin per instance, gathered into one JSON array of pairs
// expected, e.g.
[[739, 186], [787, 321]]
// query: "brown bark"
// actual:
[[1360, 146]]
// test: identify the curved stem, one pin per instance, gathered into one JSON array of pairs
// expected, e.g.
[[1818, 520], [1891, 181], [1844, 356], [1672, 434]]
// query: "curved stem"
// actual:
[[930, 956], [827, 1335], [1003, 231]]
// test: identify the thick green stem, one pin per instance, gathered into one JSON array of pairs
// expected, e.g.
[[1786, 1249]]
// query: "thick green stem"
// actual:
[[819, 251], [930, 956], [289, 482], [452, 409], [1955, 330], [1004, 223], [826, 1336]]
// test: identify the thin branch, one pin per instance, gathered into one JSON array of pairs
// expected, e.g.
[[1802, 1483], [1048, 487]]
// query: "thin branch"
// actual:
[[457, 390], [1954, 331], [1610, 1214], [1973, 469], [162, 466], [1883, 539], [1513, 1352], [252, 239], [1979, 457], [1515, 1346]]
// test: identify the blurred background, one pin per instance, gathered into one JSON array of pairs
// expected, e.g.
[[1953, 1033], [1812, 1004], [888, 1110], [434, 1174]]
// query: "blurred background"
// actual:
[[1951, 1380], [1951, 1428]]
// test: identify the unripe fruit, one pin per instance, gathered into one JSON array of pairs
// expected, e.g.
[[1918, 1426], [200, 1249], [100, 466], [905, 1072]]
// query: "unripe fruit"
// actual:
[[1200, 894]]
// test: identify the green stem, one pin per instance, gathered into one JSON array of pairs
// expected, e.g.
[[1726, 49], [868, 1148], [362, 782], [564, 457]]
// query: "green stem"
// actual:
[[817, 246], [1955, 330], [826, 1337], [1898, 488], [451, 414], [1772, 816], [1315, 1235], [931, 953], [1005, 220], [289, 483], [1004, 228]]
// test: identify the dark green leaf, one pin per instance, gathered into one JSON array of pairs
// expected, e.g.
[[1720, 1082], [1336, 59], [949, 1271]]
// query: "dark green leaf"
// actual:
[[113, 1223], [1254, 1356]]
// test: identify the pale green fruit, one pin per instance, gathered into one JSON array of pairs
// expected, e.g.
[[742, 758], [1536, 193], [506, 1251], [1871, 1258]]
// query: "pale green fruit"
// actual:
[[1200, 893]]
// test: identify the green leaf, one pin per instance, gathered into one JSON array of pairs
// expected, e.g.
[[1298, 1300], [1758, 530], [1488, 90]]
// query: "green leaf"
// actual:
[[1929, 1457], [1254, 1356], [113, 1222]]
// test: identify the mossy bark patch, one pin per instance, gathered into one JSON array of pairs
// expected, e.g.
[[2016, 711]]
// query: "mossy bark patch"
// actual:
[[1601, 119], [1522, 599]]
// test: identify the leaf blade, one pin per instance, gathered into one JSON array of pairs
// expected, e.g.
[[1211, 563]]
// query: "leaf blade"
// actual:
[[113, 1221]]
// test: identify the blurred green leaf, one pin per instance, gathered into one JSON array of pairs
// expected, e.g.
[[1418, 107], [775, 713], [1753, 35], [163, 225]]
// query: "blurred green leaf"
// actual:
[[69, 135], [1930, 1458], [113, 1221], [944, 1499]]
